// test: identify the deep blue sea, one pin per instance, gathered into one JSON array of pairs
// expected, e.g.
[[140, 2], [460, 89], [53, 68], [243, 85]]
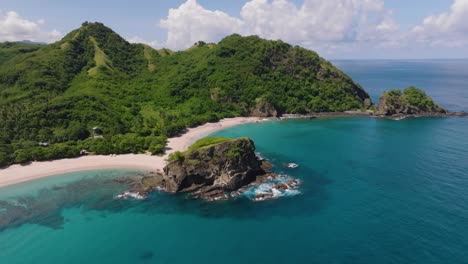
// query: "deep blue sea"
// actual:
[[446, 81], [374, 191]]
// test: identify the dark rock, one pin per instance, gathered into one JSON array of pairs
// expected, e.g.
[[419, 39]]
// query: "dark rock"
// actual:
[[281, 186], [211, 195], [293, 183], [219, 171], [148, 184], [228, 165], [208, 172], [266, 177], [266, 166]]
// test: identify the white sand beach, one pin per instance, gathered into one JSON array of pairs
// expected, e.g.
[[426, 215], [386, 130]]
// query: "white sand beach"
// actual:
[[20, 173]]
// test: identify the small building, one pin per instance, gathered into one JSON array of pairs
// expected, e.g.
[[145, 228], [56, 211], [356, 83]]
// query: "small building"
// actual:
[[43, 144], [84, 152]]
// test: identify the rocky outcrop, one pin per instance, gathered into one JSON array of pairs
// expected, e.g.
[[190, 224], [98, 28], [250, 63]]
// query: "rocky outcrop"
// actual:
[[263, 108], [209, 171], [228, 165], [411, 101]]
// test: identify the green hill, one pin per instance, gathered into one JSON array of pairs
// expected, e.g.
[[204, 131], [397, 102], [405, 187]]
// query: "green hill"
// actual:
[[139, 96]]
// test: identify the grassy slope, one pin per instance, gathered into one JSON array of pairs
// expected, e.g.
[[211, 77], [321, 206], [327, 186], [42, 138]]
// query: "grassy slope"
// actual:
[[201, 144], [100, 58]]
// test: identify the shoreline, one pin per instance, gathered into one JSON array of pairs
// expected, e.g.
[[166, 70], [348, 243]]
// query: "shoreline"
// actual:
[[17, 173], [370, 114]]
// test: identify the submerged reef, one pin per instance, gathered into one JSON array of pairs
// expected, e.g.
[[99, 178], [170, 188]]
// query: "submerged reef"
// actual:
[[211, 170]]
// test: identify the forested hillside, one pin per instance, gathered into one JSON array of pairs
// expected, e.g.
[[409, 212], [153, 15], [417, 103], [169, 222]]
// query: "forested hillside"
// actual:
[[139, 96]]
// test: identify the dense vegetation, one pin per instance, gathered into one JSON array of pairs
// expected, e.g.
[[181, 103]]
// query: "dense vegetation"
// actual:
[[10, 49], [139, 96], [204, 142], [411, 101]]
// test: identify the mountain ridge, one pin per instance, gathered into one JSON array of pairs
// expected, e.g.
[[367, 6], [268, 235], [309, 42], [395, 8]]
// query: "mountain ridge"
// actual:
[[93, 77]]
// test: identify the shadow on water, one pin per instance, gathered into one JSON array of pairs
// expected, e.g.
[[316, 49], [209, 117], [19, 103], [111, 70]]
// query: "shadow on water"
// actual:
[[97, 194], [146, 255]]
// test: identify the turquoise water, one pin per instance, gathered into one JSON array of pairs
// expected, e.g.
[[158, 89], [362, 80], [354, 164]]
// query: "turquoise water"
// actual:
[[374, 191]]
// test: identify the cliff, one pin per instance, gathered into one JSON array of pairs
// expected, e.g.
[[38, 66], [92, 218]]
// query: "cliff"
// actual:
[[208, 169]]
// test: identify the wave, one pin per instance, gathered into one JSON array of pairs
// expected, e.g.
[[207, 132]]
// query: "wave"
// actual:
[[130, 195], [259, 156], [273, 188], [291, 165]]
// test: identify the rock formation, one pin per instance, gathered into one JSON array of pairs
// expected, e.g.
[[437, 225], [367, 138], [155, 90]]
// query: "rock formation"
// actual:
[[228, 165], [264, 108], [411, 101], [208, 171]]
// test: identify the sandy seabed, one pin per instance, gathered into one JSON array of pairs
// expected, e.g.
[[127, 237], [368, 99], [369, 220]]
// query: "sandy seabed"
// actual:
[[21, 173]]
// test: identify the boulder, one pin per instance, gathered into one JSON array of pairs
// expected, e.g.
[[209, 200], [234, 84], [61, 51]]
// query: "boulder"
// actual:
[[225, 166]]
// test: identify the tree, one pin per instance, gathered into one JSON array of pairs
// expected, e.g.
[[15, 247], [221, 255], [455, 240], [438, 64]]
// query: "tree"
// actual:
[[4, 159], [22, 156], [93, 77]]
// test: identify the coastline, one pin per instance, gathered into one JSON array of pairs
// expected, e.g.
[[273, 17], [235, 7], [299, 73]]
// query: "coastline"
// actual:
[[371, 114], [17, 173], [21, 173]]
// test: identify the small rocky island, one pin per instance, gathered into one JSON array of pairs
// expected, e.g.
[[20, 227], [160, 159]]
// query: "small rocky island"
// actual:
[[412, 101], [217, 169], [394, 104]]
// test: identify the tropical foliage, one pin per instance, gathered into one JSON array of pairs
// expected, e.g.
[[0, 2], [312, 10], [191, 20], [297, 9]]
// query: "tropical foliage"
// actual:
[[140, 96], [411, 100]]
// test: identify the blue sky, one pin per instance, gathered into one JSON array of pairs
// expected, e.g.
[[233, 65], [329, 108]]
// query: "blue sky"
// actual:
[[337, 29]]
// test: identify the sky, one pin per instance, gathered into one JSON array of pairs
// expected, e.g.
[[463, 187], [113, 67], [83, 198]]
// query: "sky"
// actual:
[[336, 29]]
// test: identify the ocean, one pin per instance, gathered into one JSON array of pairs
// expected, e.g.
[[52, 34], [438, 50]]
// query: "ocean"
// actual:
[[373, 191], [446, 81]]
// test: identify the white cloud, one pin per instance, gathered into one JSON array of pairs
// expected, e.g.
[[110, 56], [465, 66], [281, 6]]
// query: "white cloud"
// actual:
[[191, 22], [15, 28], [455, 21], [315, 24], [315, 20], [448, 29], [154, 43]]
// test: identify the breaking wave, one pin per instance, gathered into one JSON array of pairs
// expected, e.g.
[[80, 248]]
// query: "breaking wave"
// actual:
[[273, 188]]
